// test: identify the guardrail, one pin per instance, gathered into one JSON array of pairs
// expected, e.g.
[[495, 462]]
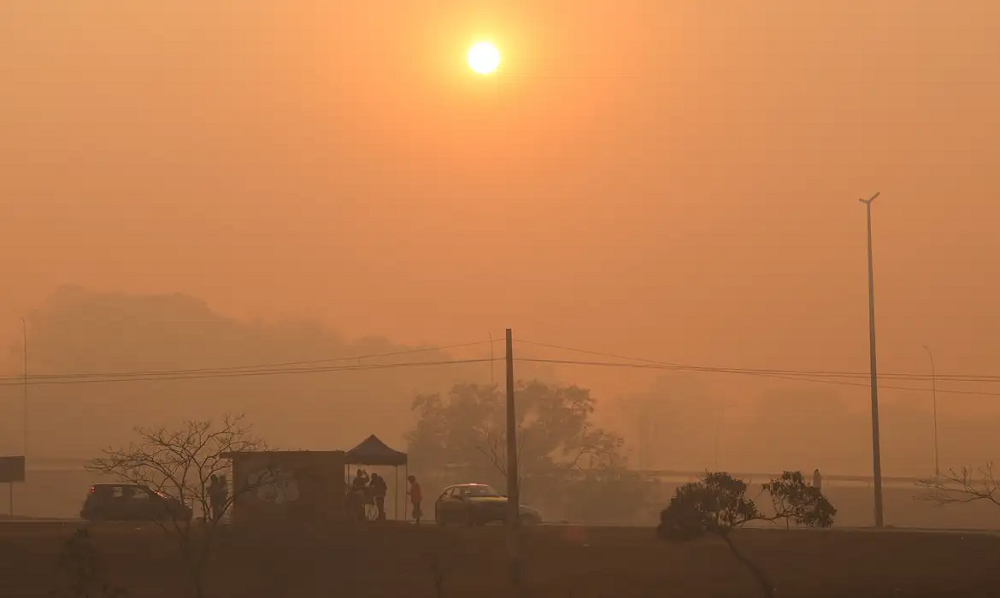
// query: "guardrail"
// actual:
[[693, 474]]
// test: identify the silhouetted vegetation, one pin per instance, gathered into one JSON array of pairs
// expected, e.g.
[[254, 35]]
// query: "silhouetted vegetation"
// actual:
[[439, 571], [179, 464], [717, 505], [964, 485], [563, 457], [795, 501], [81, 572]]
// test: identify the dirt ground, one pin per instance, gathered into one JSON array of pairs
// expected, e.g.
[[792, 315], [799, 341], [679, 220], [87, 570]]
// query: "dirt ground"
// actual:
[[394, 560]]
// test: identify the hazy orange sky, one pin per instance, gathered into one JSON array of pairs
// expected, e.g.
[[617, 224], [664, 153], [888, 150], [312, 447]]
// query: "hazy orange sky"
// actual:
[[674, 180]]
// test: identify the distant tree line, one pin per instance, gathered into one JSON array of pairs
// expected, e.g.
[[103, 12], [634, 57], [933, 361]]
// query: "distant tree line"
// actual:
[[568, 464]]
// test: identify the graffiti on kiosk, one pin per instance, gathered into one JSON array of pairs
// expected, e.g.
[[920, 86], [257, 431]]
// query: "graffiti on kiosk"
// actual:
[[274, 485]]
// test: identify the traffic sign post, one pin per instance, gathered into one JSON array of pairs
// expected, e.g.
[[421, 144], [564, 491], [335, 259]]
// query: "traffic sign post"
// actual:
[[11, 471]]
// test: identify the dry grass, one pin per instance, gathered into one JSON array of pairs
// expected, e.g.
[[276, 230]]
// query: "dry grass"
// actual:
[[394, 560]]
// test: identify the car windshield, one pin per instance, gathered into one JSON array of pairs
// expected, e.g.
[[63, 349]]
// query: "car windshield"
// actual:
[[478, 490]]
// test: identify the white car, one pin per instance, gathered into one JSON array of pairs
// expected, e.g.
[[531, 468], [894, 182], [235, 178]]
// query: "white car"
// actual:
[[477, 504]]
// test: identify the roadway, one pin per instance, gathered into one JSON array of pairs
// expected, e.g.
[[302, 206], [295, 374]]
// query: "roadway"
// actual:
[[42, 527]]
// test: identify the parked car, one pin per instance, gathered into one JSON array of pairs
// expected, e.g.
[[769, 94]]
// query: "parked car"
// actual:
[[477, 504], [131, 502]]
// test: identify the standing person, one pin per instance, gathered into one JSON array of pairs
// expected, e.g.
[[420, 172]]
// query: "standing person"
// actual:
[[379, 489], [213, 497], [415, 497], [358, 490], [817, 480], [222, 498]]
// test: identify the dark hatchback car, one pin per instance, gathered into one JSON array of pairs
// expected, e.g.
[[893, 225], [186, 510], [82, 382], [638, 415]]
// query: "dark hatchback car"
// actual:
[[130, 502], [477, 504]]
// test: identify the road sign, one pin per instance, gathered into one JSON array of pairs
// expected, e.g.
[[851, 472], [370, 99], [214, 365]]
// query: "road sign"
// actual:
[[11, 469]]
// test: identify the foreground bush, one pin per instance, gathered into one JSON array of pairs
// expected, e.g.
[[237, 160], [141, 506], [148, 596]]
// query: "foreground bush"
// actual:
[[718, 504]]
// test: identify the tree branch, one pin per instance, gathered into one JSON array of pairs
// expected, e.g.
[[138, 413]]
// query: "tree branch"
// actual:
[[179, 464], [962, 486]]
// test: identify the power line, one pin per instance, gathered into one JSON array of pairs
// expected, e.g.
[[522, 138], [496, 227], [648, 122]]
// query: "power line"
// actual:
[[814, 373], [249, 373], [238, 368], [794, 377], [302, 367]]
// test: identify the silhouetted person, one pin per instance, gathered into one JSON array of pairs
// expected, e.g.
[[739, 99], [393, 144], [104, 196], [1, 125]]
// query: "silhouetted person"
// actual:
[[213, 498], [817, 480], [415, 497], [379, 489], [358, 487], [222, 498]]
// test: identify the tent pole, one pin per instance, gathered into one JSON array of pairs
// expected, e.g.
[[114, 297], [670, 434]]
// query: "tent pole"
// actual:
[[395, 501], [406, 505]]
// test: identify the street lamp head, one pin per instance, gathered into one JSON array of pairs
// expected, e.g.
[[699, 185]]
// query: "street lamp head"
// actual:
[[870, 199]]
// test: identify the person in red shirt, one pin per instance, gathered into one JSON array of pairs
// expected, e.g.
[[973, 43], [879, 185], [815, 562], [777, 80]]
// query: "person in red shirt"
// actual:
[[415, 497]]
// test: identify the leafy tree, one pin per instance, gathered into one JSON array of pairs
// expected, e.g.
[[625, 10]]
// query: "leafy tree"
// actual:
[[718, 504], [465, 431], [179, 464], [795, 500]]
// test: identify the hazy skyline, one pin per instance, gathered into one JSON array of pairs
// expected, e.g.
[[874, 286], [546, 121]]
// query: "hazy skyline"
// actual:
[[686, 192]]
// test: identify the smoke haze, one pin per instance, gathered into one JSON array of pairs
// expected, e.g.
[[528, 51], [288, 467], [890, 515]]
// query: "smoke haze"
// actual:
[[230, 186]]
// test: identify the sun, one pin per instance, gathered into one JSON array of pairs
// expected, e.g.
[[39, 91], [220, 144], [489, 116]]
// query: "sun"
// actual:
[[484, 58]]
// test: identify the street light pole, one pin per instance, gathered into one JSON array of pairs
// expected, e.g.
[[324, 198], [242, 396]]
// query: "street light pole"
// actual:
[[513, 489], [876, 448], [937, 461]]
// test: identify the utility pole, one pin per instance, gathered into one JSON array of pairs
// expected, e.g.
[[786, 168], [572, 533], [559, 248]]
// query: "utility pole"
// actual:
[[513, 504], [715, 444], [937, 462], [24, 390], [876, 448], [24, 408]]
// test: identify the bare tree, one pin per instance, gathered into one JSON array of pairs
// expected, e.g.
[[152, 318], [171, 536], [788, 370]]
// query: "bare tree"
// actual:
[[962, 486], [600, 447], [179, 464], [494, 448]]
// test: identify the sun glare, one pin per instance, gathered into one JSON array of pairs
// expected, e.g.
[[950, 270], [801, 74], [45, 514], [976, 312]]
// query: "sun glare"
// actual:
[[484, 58]]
